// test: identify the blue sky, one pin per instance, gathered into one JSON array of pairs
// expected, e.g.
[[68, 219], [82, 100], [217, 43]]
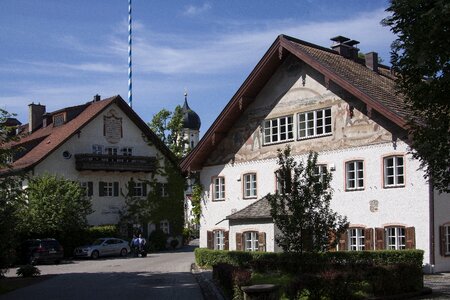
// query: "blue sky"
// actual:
[[63, 52]]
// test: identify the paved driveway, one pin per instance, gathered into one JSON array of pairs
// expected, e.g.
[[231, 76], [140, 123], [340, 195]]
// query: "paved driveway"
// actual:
[[157, 276]]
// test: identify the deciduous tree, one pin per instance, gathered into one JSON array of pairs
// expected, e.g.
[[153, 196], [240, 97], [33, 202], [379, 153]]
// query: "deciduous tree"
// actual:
[[421, 58], [301, 208]]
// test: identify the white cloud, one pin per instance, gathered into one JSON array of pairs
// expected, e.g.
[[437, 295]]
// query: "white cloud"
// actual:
[[192, 10]]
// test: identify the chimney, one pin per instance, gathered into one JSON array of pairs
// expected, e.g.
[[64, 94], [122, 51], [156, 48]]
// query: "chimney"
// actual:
[[372, 61], [35, 116], [345, 47], [96, 98]]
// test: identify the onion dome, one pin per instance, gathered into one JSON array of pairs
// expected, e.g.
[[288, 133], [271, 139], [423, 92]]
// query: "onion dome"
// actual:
[[190, 118]]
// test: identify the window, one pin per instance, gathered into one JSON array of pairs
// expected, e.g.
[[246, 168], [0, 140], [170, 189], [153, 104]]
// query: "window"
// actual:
[[314, 123], [164, 190], [108, 189], [356, 239], [320, 171], [395, 238], [88, 187], [58, 119], [164, 226], [278, 130], [219, 240], [218, 188], [251, 241], [354, 175], [445, 239], [97, 149], [138, 189], [250, 185], [127, 151], [394, 171]]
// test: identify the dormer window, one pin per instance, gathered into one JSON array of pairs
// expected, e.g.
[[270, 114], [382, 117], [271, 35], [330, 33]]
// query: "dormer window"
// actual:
[[59, 119]]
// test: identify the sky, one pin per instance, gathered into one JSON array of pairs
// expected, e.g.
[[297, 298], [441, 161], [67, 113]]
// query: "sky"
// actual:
[[62, 52]]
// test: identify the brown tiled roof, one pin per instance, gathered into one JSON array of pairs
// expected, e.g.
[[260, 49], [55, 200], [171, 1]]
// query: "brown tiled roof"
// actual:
[[47, 139], [259, 209], [375, 89]]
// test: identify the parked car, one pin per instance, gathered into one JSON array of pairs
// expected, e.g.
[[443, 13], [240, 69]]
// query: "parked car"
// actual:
[[103, 247], [35, 251]]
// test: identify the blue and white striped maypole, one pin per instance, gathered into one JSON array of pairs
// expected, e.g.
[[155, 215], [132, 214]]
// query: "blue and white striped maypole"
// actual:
[[130, 94]]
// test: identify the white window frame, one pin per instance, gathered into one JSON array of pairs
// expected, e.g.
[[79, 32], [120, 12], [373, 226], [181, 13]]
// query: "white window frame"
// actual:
[[219, 239], [321, 170], [97, 149], [163, 190], [394, 171], [165, 226], [250, 185], [138, 189], [111, 150], [356, 239], [447, 239], [126, 151], [279, 130], [85, 185], [251, 242], [108, 189], [59, 119], [218, 188], [314, 123], [354, 175], [395, 238]]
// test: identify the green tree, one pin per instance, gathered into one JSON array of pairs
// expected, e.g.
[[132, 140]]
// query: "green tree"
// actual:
[[56, 206], [168, 126], [158, 206], [301, 209], [11, 197], [421, 57]]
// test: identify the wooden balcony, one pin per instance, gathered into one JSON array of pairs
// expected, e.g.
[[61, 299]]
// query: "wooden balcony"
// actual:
[[111, 163]]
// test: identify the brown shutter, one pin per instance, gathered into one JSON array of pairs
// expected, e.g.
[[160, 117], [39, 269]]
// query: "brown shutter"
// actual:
[[226, 241], [144, 188], [332, 241], [116, 189], [262, 241], [239, 241], [209, 239], [379, 239], [410, 235], [368, 238], [101, 189], [131, 186], [442, 240], [343, 241]]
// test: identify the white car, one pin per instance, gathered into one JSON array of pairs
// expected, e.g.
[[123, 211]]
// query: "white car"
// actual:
[[103, 247]]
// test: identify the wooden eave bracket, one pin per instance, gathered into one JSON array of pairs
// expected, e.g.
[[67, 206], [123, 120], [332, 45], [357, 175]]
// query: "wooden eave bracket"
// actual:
[[244, 102]]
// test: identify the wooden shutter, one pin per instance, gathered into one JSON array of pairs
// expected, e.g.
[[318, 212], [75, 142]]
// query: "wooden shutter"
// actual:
[[101, 189], [209, 240], [368, 238], [226, 241], [262, 241], [131, 186], [343, 238], [442, 246], [410, 236], [116, 189], [239, 241], [379, 239], [332, 241], [144, 189], [90, 188]]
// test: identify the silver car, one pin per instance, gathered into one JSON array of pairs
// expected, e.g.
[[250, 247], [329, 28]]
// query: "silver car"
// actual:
[[103, 247]]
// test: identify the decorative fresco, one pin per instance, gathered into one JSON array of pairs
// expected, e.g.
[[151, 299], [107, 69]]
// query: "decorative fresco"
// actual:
[[112, 127], [293, 89]]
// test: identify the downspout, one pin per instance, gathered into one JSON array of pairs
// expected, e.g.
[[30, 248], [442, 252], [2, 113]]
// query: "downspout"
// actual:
[[432, 242]]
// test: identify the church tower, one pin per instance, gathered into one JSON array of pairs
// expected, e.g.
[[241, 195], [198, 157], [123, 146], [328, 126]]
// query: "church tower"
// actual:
[[191, 125]]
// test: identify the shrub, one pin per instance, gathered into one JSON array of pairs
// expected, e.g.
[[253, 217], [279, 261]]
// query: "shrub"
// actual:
[[157, 240], [28, 271]]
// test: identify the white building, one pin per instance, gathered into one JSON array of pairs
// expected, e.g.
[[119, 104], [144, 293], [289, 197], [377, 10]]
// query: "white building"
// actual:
[[102, 144], [346, 109]]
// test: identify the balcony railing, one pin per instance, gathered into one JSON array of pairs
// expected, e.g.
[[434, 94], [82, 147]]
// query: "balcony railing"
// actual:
[[121, 163]]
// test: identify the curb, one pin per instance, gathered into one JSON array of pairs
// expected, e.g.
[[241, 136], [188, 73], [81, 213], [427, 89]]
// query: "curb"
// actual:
[[209, 289]]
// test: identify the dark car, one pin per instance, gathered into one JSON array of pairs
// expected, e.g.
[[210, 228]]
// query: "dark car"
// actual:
[[40, 250]]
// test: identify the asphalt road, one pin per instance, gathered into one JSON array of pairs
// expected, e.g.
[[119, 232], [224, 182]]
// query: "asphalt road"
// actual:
[[157, 276]]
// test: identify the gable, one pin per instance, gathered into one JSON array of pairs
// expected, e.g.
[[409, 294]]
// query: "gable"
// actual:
[[296, 90], [375, 92]]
